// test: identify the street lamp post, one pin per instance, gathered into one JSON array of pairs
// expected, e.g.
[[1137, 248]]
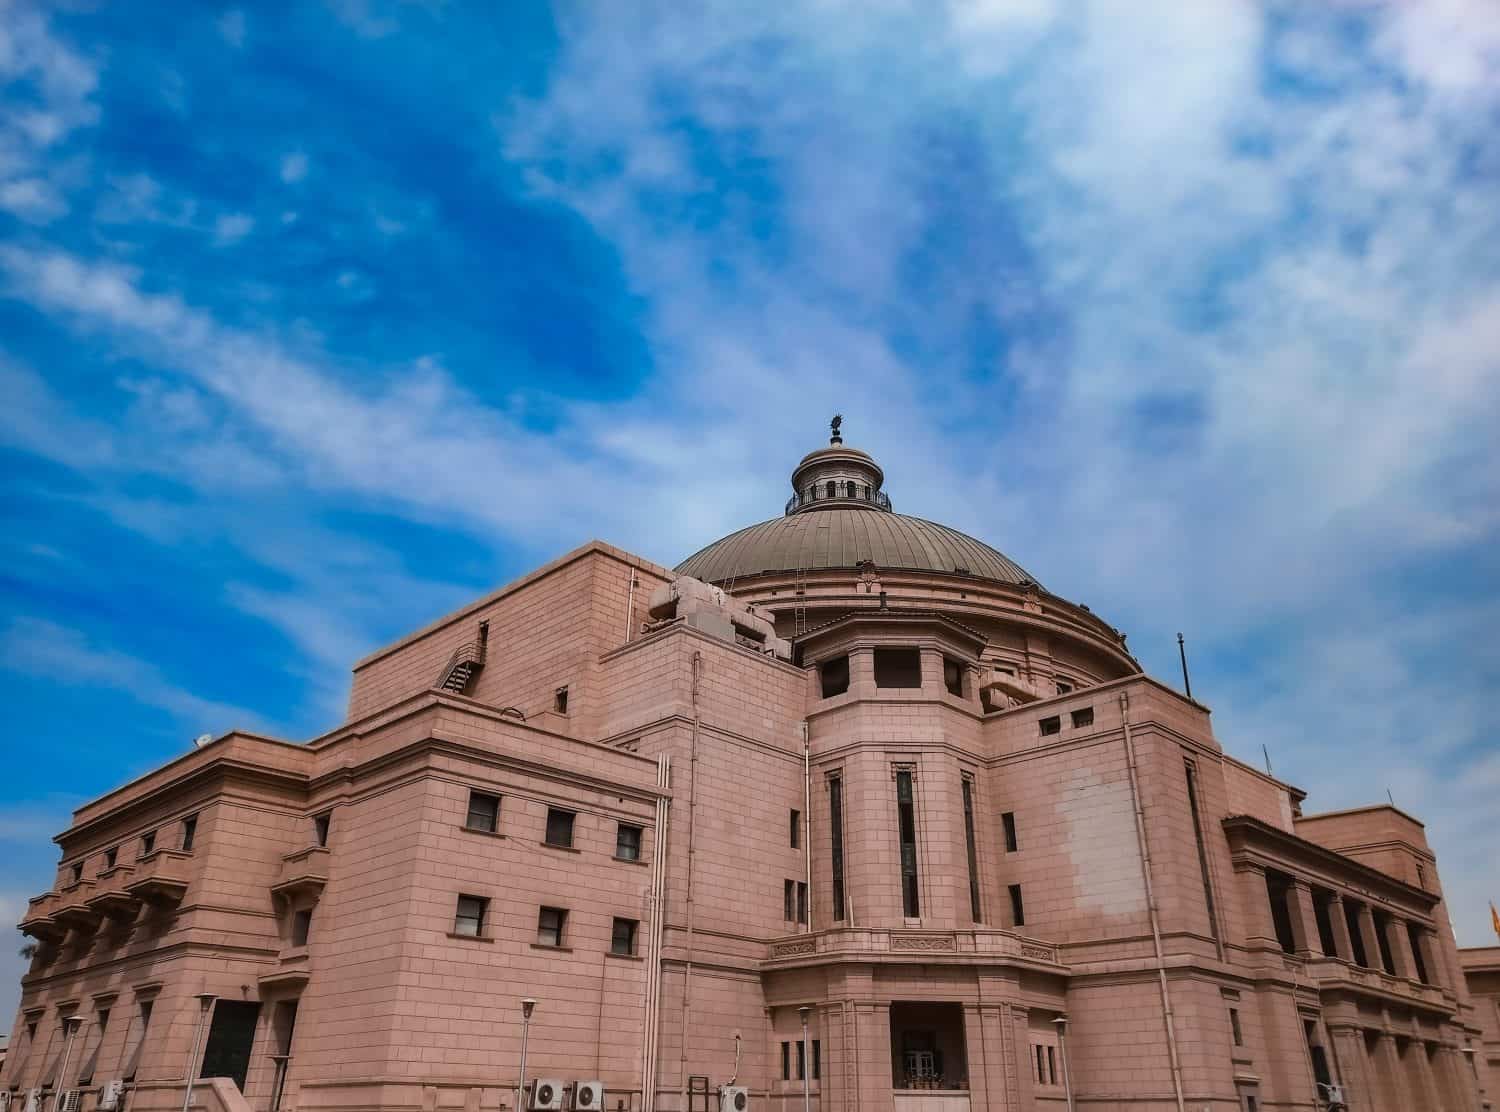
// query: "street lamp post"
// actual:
[[806, 1062], [527, 1006], [71, 1026], [1061, 1023]]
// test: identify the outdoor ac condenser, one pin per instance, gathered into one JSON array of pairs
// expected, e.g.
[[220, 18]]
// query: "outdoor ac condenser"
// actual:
[[1332, 1095], [546, 1095], [733, 1098], [109, 1096], [588, 1096]]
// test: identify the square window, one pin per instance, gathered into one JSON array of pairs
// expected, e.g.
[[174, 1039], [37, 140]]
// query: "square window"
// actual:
[[1008, 820], [484, 812], [795, 828], [189, 832], [559, 827], [550, 922], [833, 675], [628, 842], [148, 843], [1083, 717], [622, 937], [320, 827], [301, 926], [1050, 726], [470, 915], [898, 667]]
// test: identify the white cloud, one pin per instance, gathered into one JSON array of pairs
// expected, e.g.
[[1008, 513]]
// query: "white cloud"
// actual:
[[293, 167], [232, 27], [232, 227]]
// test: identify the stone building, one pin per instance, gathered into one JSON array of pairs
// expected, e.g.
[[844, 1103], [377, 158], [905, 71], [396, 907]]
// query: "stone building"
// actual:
[[844, 768]]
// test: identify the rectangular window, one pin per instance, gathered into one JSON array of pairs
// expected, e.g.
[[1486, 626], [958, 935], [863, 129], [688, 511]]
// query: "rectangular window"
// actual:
[[96, 1038], [628, 842], [559, 828], [1041, 1063], [802, 901], [1234, 1027], [1356, 938], [76, 872], [148, 843], [133, 1059], [1008, 820], [836, 842], [1051, 1065], [301, 926], [833, 675], [817, 1059], [469, 918], [1083, 717], [1050, 726], [789, 900], [794, 828], [1414, 936], [968, 791], [786, 1061], [898, 668], [1208, 888], [622, 937], [111, 856], [1017, 909], [320, 827], [801, 1060], [484, 813], [1064, 687], [189, 832], [1317, 1053], [1277, 887], [550, 923], [953, 676], [560, 700], [906, 822]]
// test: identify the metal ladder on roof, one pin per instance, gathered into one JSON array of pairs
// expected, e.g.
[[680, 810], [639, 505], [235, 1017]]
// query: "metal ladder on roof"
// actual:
[[799, 604]]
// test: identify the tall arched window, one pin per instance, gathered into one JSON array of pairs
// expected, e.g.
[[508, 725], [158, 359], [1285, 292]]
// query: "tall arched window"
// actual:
[[832, 488]]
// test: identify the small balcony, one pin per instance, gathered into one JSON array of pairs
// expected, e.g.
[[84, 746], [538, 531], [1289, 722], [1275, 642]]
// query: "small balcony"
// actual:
[[303, 872], [38, 922], [1332, 974], [160, 877], [293, 970], [72, 909], [929, 946], [111, 898]]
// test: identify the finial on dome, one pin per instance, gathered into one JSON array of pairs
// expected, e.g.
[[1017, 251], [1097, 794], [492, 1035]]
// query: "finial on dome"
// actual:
[[836, 438]]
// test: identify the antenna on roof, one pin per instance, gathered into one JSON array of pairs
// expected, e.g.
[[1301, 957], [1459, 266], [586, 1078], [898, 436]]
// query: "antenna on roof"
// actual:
[[1187, 684], [1391, 797], [1267, 754]]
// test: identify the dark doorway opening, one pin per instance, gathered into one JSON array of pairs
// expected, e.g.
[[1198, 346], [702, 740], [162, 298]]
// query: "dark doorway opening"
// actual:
[[927, 1046], [231, 1036]]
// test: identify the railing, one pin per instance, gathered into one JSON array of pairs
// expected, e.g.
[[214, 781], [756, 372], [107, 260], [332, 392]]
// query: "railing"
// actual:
[[879, 499], [305, 869], [471, 653], [929, 943]]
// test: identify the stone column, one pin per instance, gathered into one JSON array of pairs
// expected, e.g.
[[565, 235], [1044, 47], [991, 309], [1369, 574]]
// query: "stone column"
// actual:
[[1020, 1047], [1387, 1070], [862, 673], [932, 673], [1367, 936], [1427, 1082], [1299, 900], [1260, 929], [1354, 1067], [873, 1022], [1340, 928], [1400, 945]]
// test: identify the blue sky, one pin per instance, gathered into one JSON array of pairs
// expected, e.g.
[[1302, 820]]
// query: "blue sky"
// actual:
[[316, 321]]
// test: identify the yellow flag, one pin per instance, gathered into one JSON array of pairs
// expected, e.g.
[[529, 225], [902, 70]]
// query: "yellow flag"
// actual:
[[1495, 919]]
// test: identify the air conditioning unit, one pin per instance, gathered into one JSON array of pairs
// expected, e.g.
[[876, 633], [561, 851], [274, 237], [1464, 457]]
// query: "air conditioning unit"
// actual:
[[588, 1096], [109, 1096], [4, 1100], [733, 1098], [68, 1100], [33, 1100], [546, 1095], [1331, 1095]]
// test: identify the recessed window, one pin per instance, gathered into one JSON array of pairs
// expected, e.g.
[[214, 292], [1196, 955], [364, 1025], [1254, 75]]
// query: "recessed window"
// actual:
[[1008, 820], [111, 856], [794, 828], [898, 667], [148, 843], [817, 1045], [1017, 908], [953, 676], [301, 926], [469, 917], [76, 872], [484, 812], [189, 832], [1082, 717], [967, 788], [906, 831], [836, 842], [622, 937], [801, 1060], [1234, 1027], [628, 842], [802, 901], [559, 828], [1418, 943], [786, 1061], [560, 700], [788, 899], [1050, 726], [321, 824], [550, 923], [1064, 687], [834, 676], [832, 490]]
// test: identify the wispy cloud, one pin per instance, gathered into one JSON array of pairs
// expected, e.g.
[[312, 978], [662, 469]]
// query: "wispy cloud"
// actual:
[[293, 167]]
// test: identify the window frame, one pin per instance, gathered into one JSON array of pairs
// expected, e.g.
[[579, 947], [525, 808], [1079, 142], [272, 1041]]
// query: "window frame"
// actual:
[[614, 936], [640, 832], [572, 820], [480, 920], [559, 930], [493, 827]]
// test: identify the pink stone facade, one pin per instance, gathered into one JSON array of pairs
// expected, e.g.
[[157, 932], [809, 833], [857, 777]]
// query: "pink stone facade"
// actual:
[[1001, 869]]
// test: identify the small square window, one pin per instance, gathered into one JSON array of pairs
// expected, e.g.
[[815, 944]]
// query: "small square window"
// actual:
[[148, 843], [559, 827], [1064, 687], [320, 827], [550, 923], [833, 676], [1050, 726], [484, 812], [1082, 717], [301, 926], [470, 915], [1017, 909], [189, 832], [628, 842], [622, 937], [1008, 820], [794, 828]]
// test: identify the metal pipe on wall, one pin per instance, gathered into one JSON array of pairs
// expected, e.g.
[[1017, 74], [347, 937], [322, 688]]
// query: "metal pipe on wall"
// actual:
[[651, 1035], [1145, 854], [687, 969], [807, 820]]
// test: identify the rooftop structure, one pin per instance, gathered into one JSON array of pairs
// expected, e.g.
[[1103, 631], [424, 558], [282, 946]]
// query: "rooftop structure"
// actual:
[[847, 810]]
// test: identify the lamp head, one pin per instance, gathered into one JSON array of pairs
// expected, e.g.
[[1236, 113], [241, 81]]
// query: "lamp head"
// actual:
[[804, 1012], [1061, 1022], [527, 1005]]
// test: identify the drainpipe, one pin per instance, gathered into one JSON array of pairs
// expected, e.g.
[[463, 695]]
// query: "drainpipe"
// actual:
[[687, 971], [1145, 853], [807, 819], [630, 606], [205, 1005], [651, 1034]]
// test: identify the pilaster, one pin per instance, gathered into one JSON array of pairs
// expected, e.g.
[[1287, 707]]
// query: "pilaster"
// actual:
[[1260, 929], [1304, 921], [1340, 926]]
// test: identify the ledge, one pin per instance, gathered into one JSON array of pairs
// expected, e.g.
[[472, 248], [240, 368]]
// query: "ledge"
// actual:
[[630, 860], [554, 949], [480, 831], [623, 957], [471, 937], [564, 849]]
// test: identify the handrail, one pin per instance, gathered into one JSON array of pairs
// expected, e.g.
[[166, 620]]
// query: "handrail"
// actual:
[[469, 652], [878, 498]]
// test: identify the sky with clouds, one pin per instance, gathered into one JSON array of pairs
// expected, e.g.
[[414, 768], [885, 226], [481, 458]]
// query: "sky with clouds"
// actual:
[[316, 321]]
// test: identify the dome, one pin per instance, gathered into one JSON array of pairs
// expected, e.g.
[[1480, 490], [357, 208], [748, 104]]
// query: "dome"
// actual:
[[843, 536]]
